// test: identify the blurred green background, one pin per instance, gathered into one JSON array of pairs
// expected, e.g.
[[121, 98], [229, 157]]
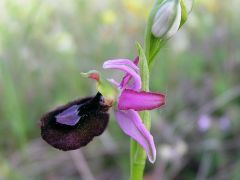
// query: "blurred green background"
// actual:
[[45, 44]]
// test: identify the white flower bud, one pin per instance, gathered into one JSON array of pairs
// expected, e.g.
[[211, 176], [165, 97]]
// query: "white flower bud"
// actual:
[[167, 19]]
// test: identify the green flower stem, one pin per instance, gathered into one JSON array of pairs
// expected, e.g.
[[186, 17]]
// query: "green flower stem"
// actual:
[[138, 157], [137, 153]]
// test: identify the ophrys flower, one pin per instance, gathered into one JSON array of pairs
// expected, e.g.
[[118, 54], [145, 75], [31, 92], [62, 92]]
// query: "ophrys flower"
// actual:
[[75, 124]]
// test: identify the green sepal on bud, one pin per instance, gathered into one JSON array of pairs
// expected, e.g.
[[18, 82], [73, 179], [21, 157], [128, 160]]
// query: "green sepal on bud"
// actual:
[[186, 6], [106, 88]]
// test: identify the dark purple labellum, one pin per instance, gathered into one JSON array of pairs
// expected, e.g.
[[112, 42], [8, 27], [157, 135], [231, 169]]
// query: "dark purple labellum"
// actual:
[[75, 124]]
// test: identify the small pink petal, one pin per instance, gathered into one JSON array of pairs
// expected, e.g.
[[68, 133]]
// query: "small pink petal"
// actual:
[[128, 77], [125, 81], [139, 101], [130, 122], [111, 64], [126, 62]]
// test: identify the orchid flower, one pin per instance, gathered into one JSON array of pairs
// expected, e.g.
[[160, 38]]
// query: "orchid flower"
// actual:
[[75, 124], [131, 100]]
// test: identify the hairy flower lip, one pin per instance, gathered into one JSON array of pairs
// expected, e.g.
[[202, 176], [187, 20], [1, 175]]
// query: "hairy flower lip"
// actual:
[[66, 137]]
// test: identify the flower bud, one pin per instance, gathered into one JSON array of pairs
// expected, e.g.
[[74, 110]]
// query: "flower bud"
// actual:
[[167, 19]]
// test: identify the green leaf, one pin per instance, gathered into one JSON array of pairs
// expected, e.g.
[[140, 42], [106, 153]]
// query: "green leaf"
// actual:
[[144, 71]]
